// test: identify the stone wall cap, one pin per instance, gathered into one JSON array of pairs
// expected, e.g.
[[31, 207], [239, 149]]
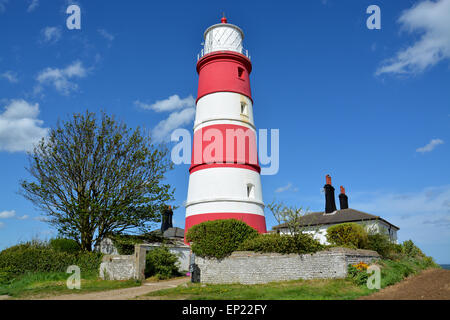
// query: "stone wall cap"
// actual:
[[332, 250], [358, 252], [110, 257]]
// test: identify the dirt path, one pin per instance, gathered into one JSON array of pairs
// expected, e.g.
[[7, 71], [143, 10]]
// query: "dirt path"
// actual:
[[121, 294], [432, 284]]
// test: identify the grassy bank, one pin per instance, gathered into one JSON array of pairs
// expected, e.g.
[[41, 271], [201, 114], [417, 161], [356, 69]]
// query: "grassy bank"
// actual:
[[342, 289], [338, 289], [38, 268], [54, 283]]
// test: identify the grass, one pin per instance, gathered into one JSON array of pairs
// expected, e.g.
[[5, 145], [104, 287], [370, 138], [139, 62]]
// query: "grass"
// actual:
[[393, 271], [329, 289], [54, 283]]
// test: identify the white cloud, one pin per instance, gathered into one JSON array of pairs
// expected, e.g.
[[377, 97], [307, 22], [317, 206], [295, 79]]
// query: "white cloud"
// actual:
[[10, 76], [431, 20], [175, 120], [430, 146], [287, 187], [24, 217], [33, 5], [7, 214], [59, 78], [105, 34], [182, 113], [172, 103], [51, 34], [20, 128], [421, 215]]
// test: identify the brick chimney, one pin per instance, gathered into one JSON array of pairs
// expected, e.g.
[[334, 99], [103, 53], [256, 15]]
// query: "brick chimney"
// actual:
[[166, 222], [330, 203], [343, 199]]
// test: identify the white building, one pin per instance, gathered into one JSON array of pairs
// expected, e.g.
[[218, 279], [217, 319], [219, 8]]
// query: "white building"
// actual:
[[317, 223]]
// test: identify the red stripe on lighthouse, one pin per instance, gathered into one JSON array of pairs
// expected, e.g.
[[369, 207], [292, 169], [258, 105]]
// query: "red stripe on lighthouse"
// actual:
[[224, 71], [224, 145]]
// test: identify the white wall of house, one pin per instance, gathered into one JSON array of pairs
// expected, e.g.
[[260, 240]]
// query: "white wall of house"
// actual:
[[320, 232]]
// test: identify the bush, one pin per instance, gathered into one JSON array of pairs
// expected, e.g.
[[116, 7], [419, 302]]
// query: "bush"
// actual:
[[218, 238], [34, 257], [160, 262], [411, 250], [381, 244], [125, 242], [358, 273], [6, 275], [284, 244], [348, 234], [64, 245]]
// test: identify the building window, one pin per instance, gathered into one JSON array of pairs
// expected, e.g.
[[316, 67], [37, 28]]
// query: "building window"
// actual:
[[250, 191], [244, 109]]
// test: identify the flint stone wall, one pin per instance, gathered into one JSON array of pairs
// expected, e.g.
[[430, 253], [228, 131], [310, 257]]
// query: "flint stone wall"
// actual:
[[118, 267], [254, 268], [125, 267]]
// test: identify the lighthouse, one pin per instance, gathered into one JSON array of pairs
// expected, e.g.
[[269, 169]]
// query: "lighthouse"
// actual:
[[224, 176]]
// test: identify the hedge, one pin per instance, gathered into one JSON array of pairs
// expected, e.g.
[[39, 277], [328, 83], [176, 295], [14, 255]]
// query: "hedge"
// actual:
[[218, 238], [285, 244], [35, 257], [64, 245]]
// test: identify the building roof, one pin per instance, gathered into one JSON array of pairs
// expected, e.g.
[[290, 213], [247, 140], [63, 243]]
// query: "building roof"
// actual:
[[339, 216], [174, 233]]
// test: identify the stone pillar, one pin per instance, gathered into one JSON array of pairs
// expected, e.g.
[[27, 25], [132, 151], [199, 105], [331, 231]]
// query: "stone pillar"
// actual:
[[139, 255]]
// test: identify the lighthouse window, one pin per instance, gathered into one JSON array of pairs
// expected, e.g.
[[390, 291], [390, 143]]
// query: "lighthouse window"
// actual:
[[250, 191], [244, 109], [240, 72]]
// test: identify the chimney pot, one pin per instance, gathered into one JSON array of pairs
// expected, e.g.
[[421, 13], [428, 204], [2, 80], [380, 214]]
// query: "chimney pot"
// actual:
[[330, 203], [343, 199], [166, 222]]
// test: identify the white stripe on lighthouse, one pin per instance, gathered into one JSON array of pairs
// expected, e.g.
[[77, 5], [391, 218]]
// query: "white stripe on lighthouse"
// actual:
[[224, 106]]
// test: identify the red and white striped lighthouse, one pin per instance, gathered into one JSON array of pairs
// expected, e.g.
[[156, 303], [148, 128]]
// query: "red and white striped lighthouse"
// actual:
[[224, 179]]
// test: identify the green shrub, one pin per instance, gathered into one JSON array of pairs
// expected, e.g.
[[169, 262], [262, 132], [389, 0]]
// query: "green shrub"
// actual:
[[380, 243], [64, 245], [34, 257], [160, 262], [411, 250], [218, 238], [285, 244], [348, 234], [358, 275], [6, 275], [125, 242]]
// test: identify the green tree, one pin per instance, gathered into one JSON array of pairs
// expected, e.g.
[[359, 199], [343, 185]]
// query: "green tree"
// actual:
[[290, 216], [95, 177]]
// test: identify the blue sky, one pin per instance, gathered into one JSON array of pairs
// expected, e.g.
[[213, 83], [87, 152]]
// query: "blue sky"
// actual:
[[369, 107]]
